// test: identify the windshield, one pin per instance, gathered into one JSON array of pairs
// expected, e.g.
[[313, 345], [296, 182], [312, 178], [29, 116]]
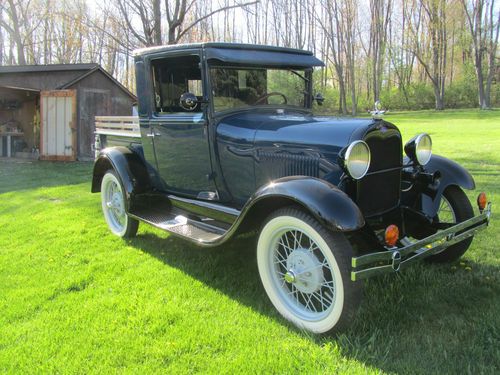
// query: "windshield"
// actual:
[[244, 87]]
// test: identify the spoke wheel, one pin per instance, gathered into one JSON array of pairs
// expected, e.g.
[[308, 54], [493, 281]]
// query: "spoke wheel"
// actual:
[[305, 271], [445, 212], [113, 207], [454, 208]]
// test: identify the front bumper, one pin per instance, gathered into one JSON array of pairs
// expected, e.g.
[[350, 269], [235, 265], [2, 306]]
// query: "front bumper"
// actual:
[[396, 259]]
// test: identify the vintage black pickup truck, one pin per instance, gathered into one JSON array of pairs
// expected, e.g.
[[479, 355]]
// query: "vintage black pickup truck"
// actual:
[[229, 144]]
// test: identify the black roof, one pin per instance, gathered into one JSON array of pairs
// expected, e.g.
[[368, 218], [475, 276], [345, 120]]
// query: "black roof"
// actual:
[[242, 53], [245, 46]]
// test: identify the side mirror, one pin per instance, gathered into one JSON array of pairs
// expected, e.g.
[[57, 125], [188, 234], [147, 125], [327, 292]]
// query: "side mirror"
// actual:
[[319, 98], [188, 101]]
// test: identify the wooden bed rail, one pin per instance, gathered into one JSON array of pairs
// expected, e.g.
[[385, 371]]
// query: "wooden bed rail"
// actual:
[[127, 126]]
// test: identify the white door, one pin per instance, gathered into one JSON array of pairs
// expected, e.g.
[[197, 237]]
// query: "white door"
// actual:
[[58, 125]]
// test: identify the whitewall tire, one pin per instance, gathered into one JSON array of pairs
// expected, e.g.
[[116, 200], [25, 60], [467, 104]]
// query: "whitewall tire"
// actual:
[[305, 270], [113, 206]]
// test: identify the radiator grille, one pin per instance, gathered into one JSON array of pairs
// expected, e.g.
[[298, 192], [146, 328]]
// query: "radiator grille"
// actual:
[[380, 189]]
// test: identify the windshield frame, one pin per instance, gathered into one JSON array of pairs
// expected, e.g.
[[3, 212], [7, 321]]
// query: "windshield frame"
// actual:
[[308, 70]]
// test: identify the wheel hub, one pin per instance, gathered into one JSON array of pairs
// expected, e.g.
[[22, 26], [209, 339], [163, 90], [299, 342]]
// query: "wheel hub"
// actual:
[[290, 277], [304, 270], [116, 203]]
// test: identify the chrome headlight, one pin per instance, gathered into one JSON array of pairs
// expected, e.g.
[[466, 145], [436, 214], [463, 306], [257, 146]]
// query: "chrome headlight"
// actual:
[[357, 159], [419, 148]]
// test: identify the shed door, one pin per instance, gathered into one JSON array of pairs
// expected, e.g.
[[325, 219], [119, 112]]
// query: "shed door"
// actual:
[[58, 125]]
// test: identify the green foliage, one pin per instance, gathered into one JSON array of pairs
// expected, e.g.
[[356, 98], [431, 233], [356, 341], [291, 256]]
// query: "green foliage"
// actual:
[[420, 96], [395, 99], [331, 103], [461, 94], [76, 299], [495, 95]]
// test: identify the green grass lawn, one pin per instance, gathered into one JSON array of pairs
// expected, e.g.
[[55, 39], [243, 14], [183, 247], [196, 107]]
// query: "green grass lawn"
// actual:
[[74, 298]]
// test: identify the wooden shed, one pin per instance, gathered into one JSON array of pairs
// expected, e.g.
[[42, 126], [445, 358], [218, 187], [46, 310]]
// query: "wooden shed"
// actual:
[[50, 109]]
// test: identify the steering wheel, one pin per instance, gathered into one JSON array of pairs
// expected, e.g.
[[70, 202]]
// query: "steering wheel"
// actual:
[[274, 93]]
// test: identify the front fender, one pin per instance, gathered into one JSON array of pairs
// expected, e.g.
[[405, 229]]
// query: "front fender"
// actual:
[[328, 204], [452, 173], [129, 166]]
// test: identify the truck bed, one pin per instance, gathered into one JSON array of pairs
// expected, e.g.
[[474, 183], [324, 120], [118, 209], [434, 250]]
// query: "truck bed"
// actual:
[[116, 131]]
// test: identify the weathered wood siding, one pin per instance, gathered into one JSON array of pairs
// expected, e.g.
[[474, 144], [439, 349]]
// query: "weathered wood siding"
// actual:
[[97, 96]]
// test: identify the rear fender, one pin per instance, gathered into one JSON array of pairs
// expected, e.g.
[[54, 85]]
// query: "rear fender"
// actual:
[[129, 166], [328, 204], [451, 173]]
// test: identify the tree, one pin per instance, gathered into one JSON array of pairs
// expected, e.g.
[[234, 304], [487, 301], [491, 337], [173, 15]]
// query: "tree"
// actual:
[[427, 23], [332, 28], [151, 15], [380, 15], [339, 27], [402, 59], [483, 26], [12, 9]]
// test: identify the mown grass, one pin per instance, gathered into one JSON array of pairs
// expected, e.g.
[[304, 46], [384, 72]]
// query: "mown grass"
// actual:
[[75, 299]]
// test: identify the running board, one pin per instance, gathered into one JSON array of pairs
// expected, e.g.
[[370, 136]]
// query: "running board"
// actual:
[[179, 225]]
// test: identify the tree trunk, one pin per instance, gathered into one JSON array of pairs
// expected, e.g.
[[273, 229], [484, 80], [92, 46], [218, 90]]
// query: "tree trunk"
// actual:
[[342, 97], [439, 98], [16, 33], [157, 22], [492, 51], [480, 82]]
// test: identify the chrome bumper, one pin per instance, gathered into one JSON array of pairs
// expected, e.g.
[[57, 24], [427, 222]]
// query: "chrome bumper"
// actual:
[[400, 258]]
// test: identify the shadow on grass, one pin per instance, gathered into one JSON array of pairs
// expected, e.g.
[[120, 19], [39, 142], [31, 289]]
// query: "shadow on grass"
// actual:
[[16, 175], [479, 174], [430, 319]]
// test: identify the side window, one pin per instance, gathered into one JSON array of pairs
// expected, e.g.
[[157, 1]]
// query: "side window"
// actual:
[[173, 77]]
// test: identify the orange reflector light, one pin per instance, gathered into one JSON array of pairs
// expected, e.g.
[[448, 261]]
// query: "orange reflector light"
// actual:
[[481, 201], [391, 235]]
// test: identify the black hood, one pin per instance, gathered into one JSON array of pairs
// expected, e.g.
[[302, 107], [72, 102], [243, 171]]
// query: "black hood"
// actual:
[[300, 130]]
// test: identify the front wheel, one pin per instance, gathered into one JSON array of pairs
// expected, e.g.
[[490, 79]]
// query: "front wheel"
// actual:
[[113, 207], [305, 270], [454, 208]]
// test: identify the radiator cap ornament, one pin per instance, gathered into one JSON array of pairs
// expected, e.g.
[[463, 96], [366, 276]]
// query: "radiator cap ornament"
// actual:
[[377, 112]]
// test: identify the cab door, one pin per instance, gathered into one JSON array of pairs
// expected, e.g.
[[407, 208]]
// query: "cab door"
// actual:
[[180, 133]]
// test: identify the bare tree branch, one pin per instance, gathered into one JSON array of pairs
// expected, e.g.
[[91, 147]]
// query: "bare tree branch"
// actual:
[[189, 27]]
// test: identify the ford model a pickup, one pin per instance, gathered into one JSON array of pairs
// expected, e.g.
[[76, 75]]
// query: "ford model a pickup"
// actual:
[[228, 144]]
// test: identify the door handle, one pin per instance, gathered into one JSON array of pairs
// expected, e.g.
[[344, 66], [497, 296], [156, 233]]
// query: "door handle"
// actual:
[[152, 135]]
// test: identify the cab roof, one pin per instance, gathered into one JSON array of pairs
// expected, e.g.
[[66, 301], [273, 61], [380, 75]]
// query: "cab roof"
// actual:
[[239, 53]]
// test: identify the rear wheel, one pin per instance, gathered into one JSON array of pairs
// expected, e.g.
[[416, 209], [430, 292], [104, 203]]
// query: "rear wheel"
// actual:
[[113, 207], [305, 270], [454, 208]]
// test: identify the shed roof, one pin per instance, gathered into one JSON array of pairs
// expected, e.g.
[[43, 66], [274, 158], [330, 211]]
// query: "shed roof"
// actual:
[[45, 68], [18, 88], [80, 72]]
